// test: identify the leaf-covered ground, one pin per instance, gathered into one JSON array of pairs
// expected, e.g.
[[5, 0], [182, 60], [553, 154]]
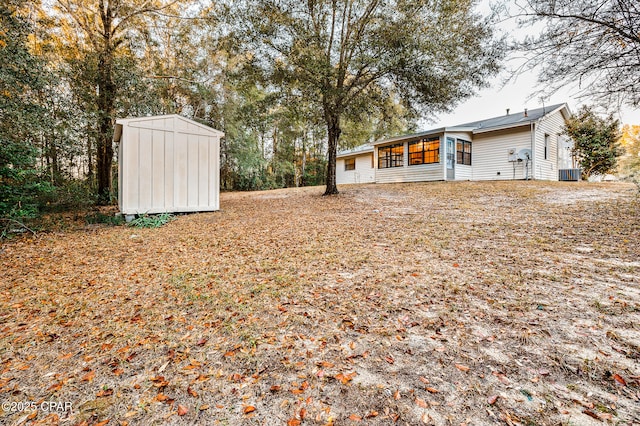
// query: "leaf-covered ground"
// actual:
[[435, 303]]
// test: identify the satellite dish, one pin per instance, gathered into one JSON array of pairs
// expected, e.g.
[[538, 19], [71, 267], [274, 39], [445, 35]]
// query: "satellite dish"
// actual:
[[525, 154]]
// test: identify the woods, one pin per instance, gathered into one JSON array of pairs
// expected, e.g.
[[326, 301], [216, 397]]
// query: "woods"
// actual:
[[289, 83], [405, 304]]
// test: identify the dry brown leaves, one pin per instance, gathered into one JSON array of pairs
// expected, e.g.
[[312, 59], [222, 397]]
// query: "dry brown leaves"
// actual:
[[512, 302]]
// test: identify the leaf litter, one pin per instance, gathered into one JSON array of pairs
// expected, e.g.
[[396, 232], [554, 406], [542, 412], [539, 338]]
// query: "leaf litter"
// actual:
[[432, 303]]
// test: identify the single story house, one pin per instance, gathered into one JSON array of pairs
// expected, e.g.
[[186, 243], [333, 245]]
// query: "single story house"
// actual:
[[167, 164], [523, 145]]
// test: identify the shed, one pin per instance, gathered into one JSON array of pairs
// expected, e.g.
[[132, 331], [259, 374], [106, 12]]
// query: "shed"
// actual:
[[167, 164]]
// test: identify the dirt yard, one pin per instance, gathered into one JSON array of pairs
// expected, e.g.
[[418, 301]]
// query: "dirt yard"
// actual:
[[511, 303]]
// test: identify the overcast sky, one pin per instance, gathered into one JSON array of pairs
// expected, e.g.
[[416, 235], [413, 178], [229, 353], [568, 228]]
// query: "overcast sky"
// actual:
[[495, 100]]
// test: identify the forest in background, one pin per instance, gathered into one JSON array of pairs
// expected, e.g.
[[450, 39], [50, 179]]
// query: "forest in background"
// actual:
[[64, 84], [288, 82]]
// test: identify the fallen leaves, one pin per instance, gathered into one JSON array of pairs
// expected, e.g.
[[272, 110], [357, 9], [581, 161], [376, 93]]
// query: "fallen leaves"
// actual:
[[345, 378], [104, 393], [307, 309], [462, 368], [619, 380], [89, 376]]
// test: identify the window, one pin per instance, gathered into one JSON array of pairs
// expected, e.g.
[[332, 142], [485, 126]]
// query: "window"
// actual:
[[463, 151], [424, 151], [349, 164], [546, 146], [390, 156]]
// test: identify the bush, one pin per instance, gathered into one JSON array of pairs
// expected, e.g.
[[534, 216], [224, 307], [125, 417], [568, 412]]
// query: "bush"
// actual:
[[152, 221]]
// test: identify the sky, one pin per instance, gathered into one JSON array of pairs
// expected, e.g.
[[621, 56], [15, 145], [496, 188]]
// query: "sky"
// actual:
[[516, 95]]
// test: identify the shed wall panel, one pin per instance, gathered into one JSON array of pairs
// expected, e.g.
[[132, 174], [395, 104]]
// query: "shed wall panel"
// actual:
[[158, 169], [167, 164], [192, 170], [203, 171], [145, 166], [169, 172], [182, 166]]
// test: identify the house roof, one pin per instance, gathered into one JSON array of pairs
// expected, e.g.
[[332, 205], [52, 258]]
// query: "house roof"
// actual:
[[512, 120], [506, 121], [367, 147]]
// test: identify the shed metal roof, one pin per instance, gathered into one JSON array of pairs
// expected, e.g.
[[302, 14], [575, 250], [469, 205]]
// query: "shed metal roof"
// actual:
[[177, 118]]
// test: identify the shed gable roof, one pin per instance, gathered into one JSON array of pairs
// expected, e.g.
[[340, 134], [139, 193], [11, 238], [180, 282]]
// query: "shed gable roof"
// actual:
[[156, 122]]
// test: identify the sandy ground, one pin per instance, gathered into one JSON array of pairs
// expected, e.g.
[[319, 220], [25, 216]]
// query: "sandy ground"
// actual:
[[434, 303]]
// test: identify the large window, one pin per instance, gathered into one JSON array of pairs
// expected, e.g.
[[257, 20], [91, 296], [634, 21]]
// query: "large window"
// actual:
[[424, 151], [463, 151], [390, 156], [349, 164]]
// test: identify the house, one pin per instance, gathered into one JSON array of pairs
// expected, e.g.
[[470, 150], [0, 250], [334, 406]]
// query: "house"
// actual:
[[524, 145], [167, 164]]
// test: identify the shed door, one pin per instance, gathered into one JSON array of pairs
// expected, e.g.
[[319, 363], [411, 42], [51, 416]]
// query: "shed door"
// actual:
[[451, 158]]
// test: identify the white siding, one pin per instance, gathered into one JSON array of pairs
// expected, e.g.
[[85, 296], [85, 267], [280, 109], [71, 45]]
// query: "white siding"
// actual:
[[547, 169], [168, 164], [462, 172], [363, 172], [416, 173], [490, 154], [465, 172]]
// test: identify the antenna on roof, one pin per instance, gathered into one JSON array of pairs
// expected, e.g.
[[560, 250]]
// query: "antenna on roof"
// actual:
[[544, 111]]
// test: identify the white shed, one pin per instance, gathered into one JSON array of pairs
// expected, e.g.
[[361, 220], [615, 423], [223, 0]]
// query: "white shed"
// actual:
[[167, 164]]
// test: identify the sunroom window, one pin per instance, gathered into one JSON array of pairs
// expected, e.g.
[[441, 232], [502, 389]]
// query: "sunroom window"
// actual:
[[424, 151], [390, 156]]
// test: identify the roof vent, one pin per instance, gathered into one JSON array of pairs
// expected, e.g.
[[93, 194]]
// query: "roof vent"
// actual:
[[526, 113], [507, 111]]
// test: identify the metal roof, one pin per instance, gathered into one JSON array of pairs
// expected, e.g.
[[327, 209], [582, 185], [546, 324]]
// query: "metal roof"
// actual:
[[513, 120], [506, 121]]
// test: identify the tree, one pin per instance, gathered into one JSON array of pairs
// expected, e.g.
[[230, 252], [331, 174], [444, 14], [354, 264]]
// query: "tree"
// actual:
[[596, 141], [630, 141], [97, 31], [343, 54], [594, 44], [21, 76]]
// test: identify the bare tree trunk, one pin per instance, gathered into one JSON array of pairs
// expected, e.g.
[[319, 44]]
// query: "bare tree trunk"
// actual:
[[303, 180], [333, 130], [106, 101]]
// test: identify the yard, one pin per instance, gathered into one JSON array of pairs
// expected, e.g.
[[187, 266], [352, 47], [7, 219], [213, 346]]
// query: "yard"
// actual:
[[437, 303]]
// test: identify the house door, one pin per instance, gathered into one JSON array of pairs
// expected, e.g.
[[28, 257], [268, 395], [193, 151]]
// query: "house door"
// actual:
[[451, 158]]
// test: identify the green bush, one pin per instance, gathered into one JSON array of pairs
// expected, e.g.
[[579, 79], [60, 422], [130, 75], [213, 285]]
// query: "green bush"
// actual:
[[152, 221]]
